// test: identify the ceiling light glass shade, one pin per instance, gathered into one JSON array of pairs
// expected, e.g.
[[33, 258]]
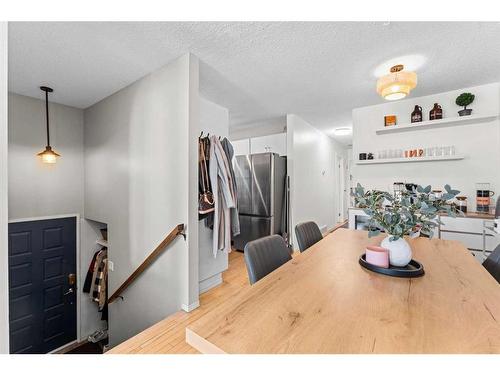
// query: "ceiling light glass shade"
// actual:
[[397, 84], [342, 131], [48, 155]]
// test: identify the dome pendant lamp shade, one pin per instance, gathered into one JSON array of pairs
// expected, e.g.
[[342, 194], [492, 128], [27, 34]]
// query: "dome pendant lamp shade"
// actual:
[[48, 155], [397, 84]]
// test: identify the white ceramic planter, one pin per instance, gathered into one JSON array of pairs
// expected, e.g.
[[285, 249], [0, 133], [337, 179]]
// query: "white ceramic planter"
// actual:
[[399, 251]]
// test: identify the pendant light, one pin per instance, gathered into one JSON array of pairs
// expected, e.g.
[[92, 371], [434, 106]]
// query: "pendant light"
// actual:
[[48, 155], [397, 84]]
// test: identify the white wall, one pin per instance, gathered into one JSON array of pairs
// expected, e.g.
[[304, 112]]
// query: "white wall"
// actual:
[[480, 143], [4, 291], [38, 189], [311, 167], [258, 128], [138, 144], [190, 299], [214, 119]]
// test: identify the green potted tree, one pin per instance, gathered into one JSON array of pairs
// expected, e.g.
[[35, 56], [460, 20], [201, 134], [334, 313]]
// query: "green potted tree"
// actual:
[[463, 100]]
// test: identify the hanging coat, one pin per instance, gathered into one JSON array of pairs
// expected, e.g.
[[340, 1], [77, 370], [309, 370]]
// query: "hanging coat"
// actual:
[[98, 290], [235, 218], [90, 273], [224, 196]]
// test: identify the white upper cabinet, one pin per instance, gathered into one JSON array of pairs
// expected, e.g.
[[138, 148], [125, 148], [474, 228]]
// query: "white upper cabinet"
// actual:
[[269, 143], [241, 147]]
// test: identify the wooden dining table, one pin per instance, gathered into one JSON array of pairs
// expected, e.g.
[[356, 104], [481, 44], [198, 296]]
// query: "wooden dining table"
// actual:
[[323, 301]]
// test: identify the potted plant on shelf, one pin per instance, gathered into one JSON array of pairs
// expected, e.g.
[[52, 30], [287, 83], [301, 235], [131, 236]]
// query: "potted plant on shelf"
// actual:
[[463, 100], [406, 213]]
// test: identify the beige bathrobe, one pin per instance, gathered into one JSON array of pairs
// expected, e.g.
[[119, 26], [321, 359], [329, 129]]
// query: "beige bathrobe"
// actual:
[[224, 196]]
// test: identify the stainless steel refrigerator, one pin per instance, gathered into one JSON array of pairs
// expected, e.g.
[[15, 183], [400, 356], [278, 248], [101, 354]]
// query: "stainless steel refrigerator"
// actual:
[[262, 198]]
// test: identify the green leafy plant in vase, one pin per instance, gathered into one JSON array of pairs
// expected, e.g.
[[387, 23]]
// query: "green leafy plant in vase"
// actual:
[[463, 100], [404, 214]]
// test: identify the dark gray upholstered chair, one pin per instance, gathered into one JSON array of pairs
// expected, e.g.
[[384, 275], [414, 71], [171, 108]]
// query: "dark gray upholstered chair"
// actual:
[[497, 208], [264, 255], [492, 263], [307, 234]]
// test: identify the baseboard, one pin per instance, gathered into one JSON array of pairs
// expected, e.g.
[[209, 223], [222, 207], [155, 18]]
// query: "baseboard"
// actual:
[[210, 283], [67, 347], [191, 306]]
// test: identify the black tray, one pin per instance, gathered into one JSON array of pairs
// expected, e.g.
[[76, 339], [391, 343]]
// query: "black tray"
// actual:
[[413, 269]]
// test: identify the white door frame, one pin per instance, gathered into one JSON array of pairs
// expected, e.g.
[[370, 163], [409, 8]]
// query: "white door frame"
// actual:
[[4, 260], [340, 184], [79, 284]]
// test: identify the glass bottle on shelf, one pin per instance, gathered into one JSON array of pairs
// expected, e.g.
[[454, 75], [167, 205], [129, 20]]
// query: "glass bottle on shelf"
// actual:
[[416, 115], [436, 112]]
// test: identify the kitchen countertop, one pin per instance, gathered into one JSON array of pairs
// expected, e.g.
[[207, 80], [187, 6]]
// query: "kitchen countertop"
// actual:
[[470, 214], [477, 215]]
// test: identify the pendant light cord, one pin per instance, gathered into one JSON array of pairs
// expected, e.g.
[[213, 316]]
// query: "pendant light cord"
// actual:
[[47, 116]]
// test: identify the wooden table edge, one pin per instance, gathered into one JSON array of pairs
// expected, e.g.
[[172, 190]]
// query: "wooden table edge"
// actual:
[[201, 344]]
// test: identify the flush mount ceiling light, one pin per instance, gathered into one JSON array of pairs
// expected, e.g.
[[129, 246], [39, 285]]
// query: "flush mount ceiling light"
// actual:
[[48, 155], [342, 131], [397, 84]]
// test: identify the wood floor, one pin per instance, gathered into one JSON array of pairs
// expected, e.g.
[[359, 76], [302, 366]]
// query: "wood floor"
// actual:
[[168, 335]]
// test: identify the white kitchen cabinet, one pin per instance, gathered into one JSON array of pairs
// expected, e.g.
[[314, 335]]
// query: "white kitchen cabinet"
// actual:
[[472, 241], [468, 231], [269, 143], [241, 146], [462, 224]]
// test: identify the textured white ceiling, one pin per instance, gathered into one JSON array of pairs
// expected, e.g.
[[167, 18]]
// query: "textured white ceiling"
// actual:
[[319, 71]]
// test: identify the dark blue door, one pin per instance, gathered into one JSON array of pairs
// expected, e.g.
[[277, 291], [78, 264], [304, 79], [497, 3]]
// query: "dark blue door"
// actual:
[[42, 284]]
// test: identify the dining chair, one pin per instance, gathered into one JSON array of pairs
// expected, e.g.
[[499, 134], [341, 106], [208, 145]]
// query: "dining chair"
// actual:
[[492, 263], [307, 234], [264, 255]]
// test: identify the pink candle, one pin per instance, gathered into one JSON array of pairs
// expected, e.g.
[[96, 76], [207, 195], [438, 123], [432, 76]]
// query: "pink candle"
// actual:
[[378, 256]]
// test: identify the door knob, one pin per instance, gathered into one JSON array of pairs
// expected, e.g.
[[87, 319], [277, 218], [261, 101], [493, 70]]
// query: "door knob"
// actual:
[[70, 290]]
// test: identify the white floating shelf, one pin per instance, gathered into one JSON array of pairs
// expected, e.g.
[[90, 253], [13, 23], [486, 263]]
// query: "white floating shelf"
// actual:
[[411, 160], [432, 124], [102, 242]]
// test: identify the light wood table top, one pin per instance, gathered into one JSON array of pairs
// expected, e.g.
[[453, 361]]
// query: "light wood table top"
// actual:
[[323, 301]]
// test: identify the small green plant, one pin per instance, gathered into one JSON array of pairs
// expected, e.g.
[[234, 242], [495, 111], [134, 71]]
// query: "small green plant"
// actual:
[[406, 213], [465, 99]]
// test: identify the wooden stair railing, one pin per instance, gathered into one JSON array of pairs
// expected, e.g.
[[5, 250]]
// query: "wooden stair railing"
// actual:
[[178, 230]]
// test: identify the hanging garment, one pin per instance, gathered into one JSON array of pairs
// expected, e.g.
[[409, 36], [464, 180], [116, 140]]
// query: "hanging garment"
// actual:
[[96, 281], [205, 196], [235, 219], [88, 278], [99, 279], [224, 196]]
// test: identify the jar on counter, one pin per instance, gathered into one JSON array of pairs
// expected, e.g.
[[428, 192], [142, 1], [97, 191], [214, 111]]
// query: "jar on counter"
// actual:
[[398, 187], [462, 203], [437, 193]]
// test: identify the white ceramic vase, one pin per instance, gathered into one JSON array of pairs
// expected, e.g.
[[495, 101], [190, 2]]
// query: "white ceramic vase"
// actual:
[[399, 251]]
